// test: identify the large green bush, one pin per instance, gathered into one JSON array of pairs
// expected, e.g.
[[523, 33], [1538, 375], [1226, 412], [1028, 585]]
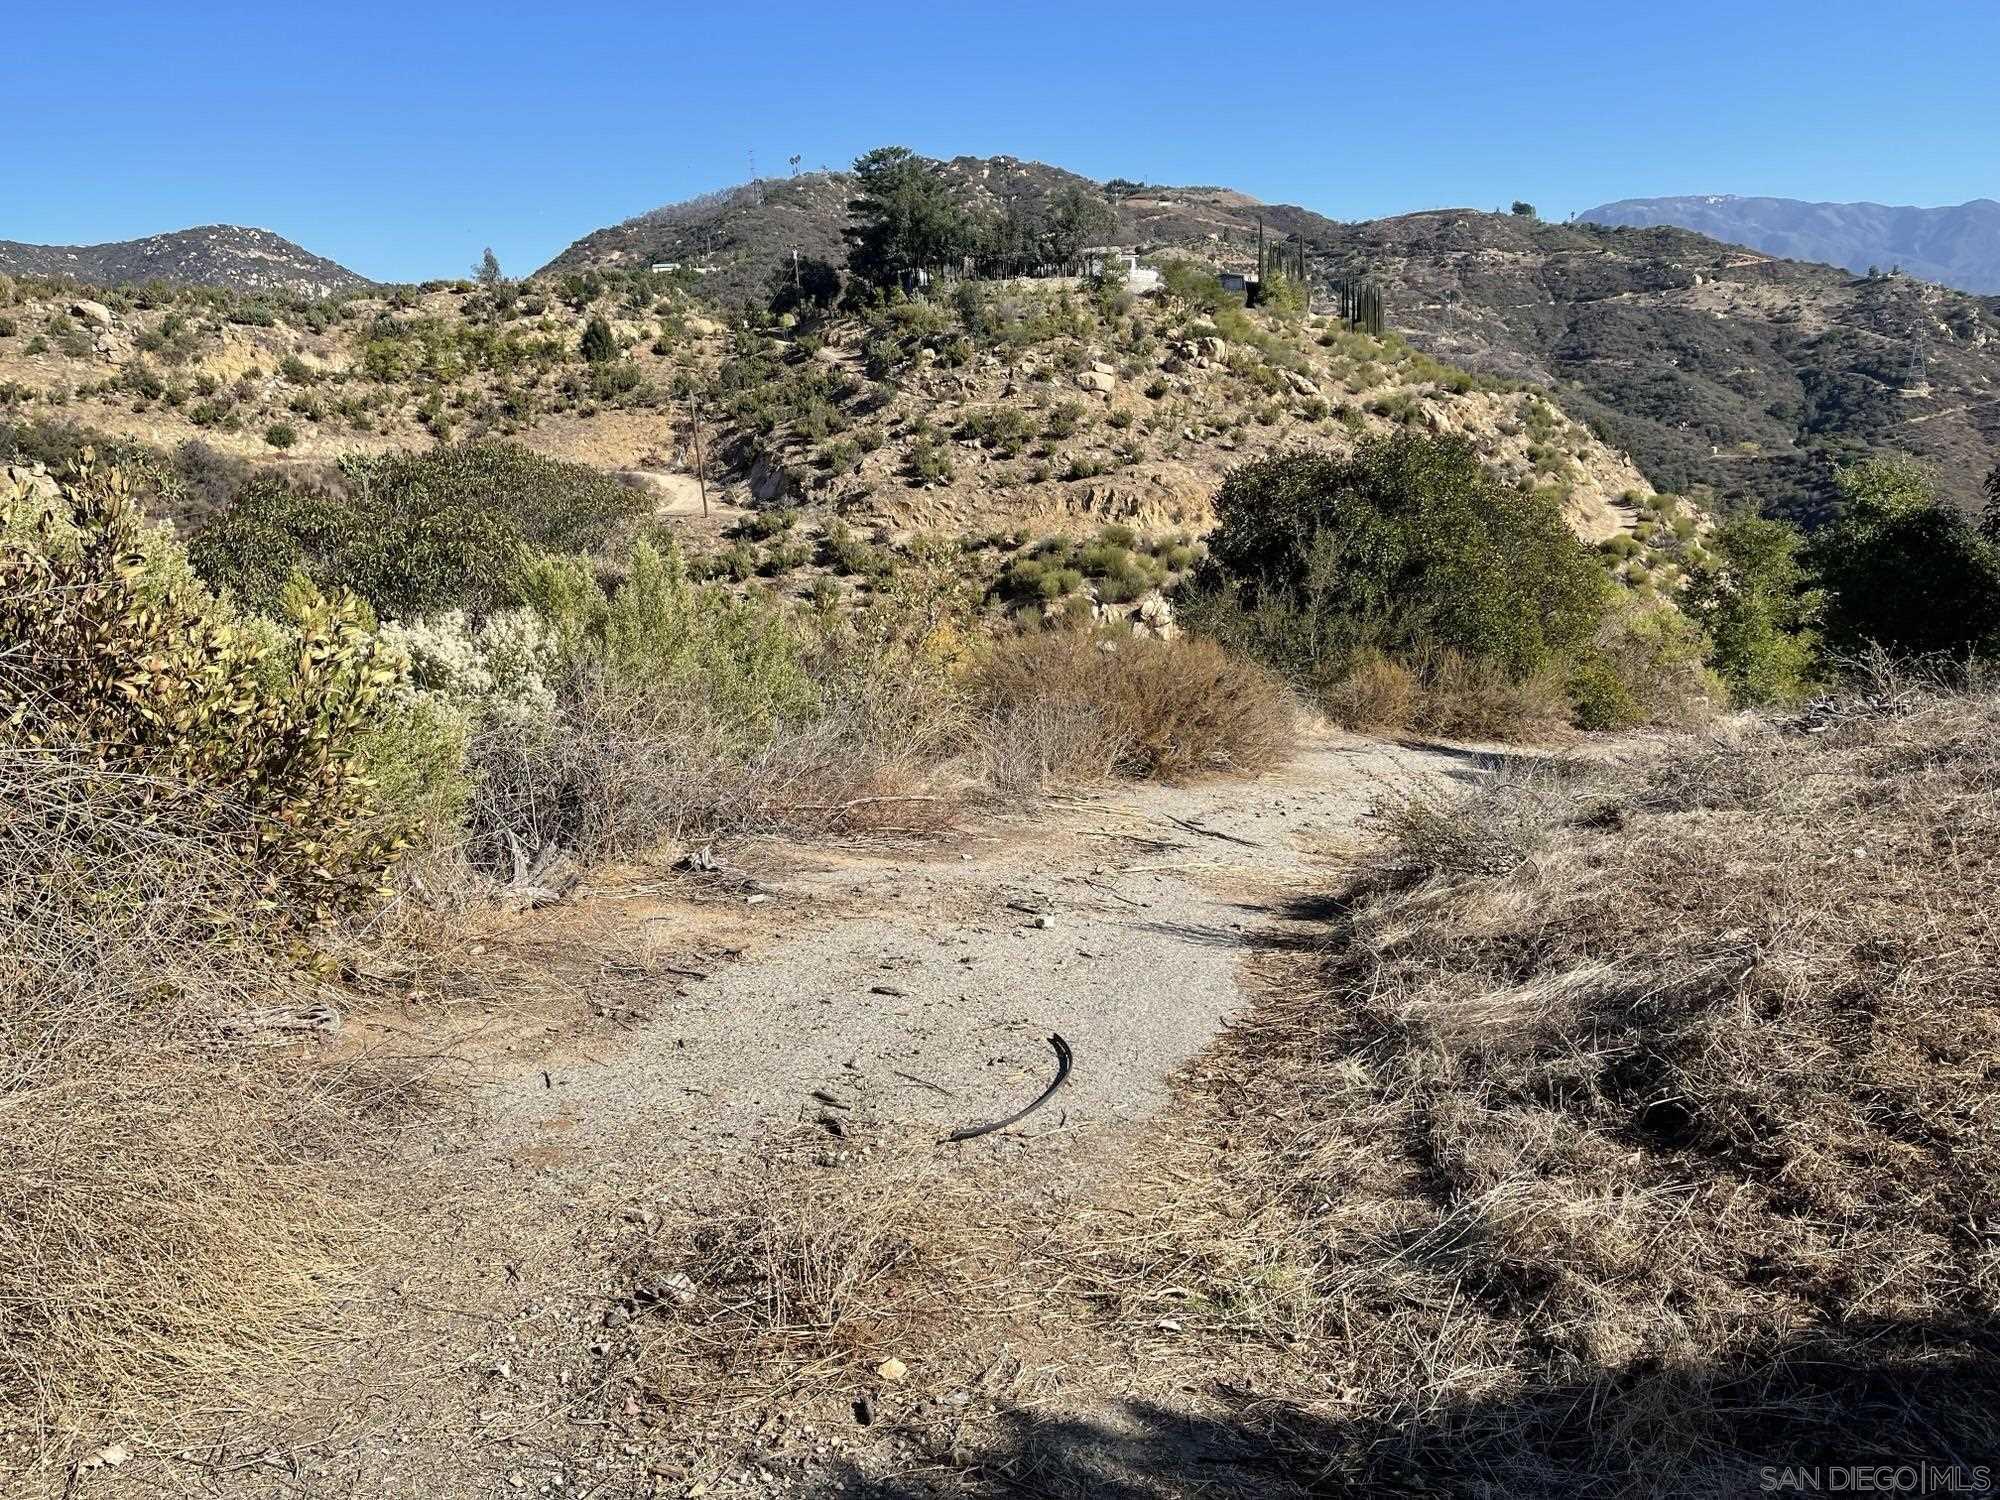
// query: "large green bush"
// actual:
[[1754, 601], [121, 662], [414, 533], [1901, 569], [1410, 545]]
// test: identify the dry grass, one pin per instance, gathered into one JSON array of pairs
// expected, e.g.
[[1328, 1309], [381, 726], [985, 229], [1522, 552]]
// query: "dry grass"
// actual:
[[1663, 1095], [170, 1224], [1447, 694], [1074, 706]]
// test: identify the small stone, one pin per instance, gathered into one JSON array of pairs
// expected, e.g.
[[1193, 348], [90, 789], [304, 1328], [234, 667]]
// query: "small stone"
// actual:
[[892, 1369]]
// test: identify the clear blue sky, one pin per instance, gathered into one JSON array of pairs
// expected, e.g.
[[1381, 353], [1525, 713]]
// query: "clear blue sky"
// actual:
[[400, 139]]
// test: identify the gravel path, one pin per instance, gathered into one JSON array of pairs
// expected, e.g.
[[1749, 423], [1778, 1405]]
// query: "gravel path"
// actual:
[[916, 989], [926, 998]]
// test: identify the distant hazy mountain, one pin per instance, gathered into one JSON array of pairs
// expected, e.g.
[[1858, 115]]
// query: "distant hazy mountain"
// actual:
[[1958, 246], [230, 256]]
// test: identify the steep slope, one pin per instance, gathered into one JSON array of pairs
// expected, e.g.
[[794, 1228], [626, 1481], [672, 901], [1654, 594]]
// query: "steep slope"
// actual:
[[1710, 364], [228, 256], [1958, 245]]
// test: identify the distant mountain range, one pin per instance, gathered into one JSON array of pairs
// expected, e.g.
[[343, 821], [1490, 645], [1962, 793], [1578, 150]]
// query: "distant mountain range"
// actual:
[[1957, 246], [229, 256]]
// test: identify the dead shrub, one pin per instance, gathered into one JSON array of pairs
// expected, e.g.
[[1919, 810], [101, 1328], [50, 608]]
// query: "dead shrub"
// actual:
[[1378, 692], [168, 1227], [1476, 698], [798, 1285], [1077, 705]]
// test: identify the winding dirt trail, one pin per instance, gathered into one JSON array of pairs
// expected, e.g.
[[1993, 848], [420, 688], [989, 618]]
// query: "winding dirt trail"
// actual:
[[916, 987]]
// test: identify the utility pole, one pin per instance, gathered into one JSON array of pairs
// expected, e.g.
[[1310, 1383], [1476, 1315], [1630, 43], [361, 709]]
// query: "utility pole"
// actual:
[[700, 466]]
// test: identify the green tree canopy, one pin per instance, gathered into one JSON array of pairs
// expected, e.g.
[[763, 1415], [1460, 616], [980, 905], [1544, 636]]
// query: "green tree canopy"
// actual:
[[905, 217], [1902, 569], [1409, 544]]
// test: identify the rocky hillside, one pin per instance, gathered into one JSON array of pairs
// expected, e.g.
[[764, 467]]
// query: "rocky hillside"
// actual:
[[1712, 365], [225, 256], [1958, 245], [1040, 404], [741, 234], [1717, 368]]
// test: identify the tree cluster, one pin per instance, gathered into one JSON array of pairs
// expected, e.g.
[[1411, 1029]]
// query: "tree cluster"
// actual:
[[908, 216]]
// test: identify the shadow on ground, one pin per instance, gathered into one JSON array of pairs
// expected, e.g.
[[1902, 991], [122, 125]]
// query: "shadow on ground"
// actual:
[[1647, 1430]]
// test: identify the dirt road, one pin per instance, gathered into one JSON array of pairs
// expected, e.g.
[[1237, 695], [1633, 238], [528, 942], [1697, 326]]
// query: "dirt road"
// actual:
[[912, 987]]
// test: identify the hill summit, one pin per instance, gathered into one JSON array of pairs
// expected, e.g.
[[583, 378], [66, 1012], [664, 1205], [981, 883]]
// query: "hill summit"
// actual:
[[231, 257]]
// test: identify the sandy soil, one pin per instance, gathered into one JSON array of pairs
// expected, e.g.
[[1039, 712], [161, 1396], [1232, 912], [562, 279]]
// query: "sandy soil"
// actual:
[[915, 986]]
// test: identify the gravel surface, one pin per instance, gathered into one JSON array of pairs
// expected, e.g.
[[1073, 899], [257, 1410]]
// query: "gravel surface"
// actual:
[[915, 990], [1117, 922]]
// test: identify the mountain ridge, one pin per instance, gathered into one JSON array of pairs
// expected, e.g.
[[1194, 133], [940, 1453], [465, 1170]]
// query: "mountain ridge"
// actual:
[[1957, 244], [1718, 367], [231, 257]]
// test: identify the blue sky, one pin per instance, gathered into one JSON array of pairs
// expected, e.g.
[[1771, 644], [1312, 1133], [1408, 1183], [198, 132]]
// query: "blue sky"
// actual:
[[400, 139]]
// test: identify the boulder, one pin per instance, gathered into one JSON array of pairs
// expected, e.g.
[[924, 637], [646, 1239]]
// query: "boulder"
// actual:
[[1300, 384], [1095, 380], [1214, 347], [94, 313]]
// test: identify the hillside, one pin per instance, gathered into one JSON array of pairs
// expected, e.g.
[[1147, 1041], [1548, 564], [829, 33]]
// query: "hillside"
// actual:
[[1712, 365], [1958, 245], [1016, 404], [225, 256], [744, 232]]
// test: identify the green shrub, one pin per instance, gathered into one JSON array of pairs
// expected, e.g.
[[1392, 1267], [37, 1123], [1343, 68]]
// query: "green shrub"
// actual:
[[598, 345], [414, 533], [1753, 599], [124, 662], [929, 462], [1409, 545], [1903, 570], [281, 435]]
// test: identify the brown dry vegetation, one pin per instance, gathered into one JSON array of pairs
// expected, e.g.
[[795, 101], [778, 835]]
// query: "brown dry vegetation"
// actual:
[[1634, 1126], [1626, 1129], [171, 1222], [1069, 706]]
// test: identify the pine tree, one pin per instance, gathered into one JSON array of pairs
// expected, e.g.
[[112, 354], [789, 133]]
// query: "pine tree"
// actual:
[[598, 346]]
